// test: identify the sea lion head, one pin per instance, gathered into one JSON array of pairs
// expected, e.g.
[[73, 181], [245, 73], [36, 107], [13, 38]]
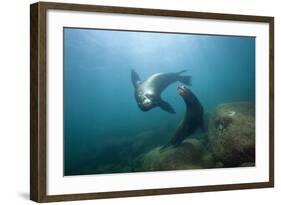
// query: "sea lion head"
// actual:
[[145, 101], [183, 91]]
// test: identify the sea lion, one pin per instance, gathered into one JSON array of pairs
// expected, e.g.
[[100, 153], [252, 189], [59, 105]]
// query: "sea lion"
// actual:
[[192, 120], [148, 92]]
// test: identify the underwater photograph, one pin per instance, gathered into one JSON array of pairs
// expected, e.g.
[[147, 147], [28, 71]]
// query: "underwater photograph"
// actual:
[[142, 101]]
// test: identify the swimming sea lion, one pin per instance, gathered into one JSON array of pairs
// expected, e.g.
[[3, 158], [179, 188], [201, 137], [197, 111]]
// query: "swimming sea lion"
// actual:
[[148, 92], [193, 118]]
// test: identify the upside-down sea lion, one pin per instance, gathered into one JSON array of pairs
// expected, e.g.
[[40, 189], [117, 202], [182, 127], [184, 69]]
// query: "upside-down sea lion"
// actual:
[[148, 92], [192, 120]]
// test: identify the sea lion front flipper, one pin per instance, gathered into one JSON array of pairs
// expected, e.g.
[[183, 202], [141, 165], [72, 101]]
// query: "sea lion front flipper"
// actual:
[[135, 78], [166, 106]]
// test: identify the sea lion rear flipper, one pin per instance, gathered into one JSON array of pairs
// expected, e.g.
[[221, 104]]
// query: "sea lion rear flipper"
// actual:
[[166, 106], [135, 78], [180, 72], [185, 79]]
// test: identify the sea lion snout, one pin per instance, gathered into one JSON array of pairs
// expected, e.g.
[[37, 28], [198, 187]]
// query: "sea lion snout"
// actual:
[[147, 102]]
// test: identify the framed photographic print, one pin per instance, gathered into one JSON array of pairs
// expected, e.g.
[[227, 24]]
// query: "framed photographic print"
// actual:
[[134, 102]]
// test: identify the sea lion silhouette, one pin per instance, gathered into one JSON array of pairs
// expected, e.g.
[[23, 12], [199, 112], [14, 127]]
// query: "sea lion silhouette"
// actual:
[[148, 92], [192, 120]]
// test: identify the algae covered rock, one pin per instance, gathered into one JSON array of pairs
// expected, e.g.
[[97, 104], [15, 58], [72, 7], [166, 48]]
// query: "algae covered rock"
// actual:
[[121, 155], [191, 154], [232, 134]]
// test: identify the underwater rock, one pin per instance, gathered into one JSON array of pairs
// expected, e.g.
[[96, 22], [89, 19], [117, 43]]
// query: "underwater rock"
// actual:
[[120, 155], [191, 154], [232, 133]]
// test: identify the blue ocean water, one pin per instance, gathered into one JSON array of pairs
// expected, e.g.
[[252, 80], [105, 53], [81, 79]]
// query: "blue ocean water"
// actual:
[[101, 119]]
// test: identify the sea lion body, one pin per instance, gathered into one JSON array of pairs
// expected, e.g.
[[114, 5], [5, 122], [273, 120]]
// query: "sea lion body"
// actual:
[[148, 92], [193, 118]]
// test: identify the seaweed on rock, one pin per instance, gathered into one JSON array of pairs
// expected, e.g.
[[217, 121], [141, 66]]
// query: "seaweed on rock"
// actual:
[[232, 134], [191, 154]]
